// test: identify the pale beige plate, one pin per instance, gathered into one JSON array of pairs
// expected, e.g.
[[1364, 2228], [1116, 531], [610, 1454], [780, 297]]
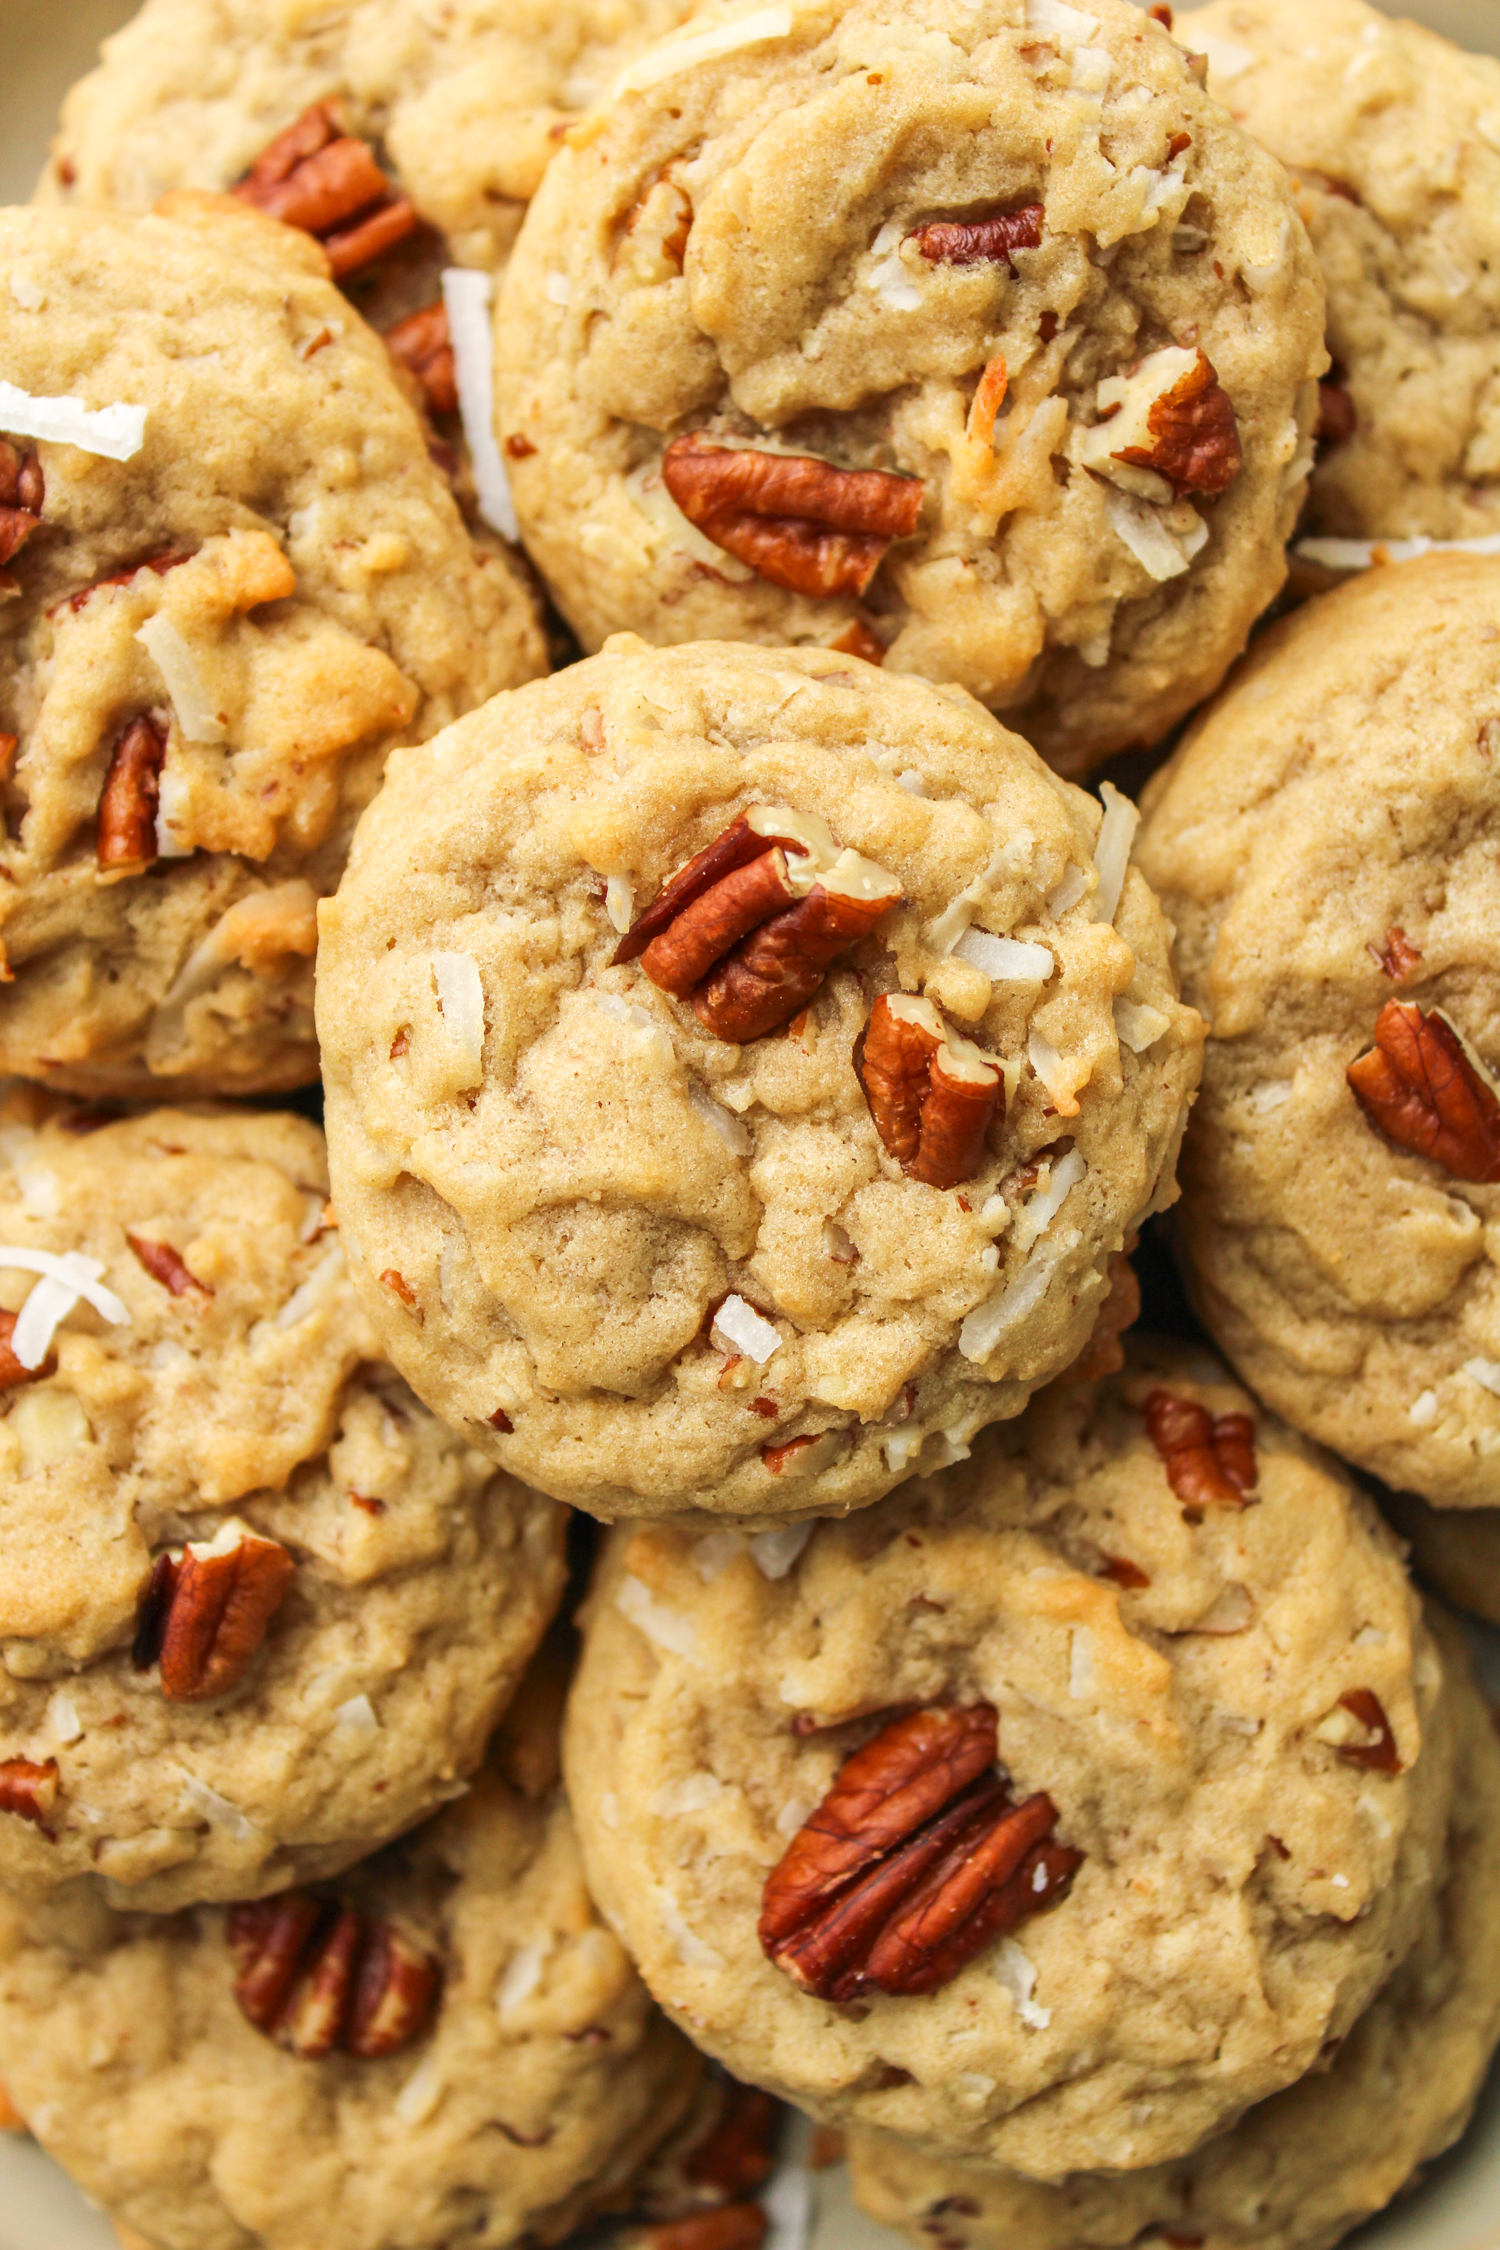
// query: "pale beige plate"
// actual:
[[45, 44]]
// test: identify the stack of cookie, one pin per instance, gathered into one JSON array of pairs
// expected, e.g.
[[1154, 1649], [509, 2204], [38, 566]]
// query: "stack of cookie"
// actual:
[[750, 1060]]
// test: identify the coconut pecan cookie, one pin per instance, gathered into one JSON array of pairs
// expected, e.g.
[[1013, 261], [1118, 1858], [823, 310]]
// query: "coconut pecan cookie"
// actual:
[[741, 1068], [258, 1608], [1225, 1771], [1325, 843], [1300, 2170], [1392, 137], [449, 2047], [980, 341], [235, 580]]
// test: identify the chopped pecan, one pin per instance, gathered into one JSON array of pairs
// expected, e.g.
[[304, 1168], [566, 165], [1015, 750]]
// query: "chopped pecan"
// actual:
[[1418, 1087], [29, 1790], [23, 489], [1104, 1354], [1379, 1755], [11, 1370], [423, 344], [1398, 957], [738, 2153], [972, 242], [317, 177], [160, 564], [915, 1859], [747, 931], [931, 1093], [730, 2226], [1125, 1573], [398, 1286], [1161, 13], [798, 522], [205, 1613], [1337, 418], [127, 807], [315, 1975], [1194, 439], [166, 1265], [857, 639], [1209, 1459]]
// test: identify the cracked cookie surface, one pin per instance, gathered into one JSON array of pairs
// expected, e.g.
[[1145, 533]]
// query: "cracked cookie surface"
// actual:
[[930, 260], [654, 1258], [1300, 2170], [210, 1738], [1324, 841], [215, 642], [539, 2082], [1392, 137], [1183, 1677]]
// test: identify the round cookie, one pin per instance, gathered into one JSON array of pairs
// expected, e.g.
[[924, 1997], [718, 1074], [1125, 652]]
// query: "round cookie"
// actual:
[[1455, 1550], [1392, 137], [1324, 841], [258, 1608], [756, 337], [1300, 2170], [211, 642], [523, 2095], [1220, 1719], [650, 1252]]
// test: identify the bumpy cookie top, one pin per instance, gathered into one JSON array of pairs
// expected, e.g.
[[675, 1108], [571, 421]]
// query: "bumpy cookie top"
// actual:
[[1393, 139], [215, 640], [1219, 1718], [258, 1608], [487, 2065], [1325, 841], [973, 333], [766, 1213], [1303, 2168]]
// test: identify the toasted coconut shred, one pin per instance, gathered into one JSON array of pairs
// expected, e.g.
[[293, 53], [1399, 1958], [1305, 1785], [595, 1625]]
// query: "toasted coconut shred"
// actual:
[[468, 297], [115, 433]]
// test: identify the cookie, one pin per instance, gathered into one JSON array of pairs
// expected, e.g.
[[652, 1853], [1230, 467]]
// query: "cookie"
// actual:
[[1455, 1550], [1225, 1754], [753, 1184], [454, 2046], [1325, 844], [982, 343], [258, 1608], [1392, 138], [1300, 2170], [235, 580]]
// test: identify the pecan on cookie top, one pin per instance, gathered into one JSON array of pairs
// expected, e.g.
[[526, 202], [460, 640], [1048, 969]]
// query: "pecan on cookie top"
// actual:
[[1225, 1772], [1325, 842], [742, 1069], [973, 337], [1390, 135], [234, 580], [1300, 2170], [258, 1608], [449, 2033]]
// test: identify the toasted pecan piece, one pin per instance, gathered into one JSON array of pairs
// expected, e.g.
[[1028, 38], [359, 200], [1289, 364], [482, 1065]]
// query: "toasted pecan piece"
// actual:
[[317, 177], [932, 1094], [423, 343], [316, 1975], [127, 807], [1417, 1086], [799, 522], [205, 1613], [29, 1789], [1209, 1459], [970, 242]]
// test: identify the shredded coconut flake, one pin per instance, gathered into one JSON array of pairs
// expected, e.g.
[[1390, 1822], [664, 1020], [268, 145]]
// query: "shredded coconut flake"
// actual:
[[1112, 851], [660, 1623], [1017, 1972], [461, 998], [987, 1323], [1273, 1094], [63, 1719], [467, 297], [728, 1127], [1423, 1409], [741, 1325], [619, 902], [1139, 526], [713, 1554], [691, 1950], [116, 433], [1043, 1206], [65, 1279], [304, 1299], [902, 1447], [1139, 1026], [1053, 19], [1067, 893], [1047, 1063], [559, 289], [787, 2201], [358, 1715], [174, 659], [31, 297], [776, 1551], [1361, 554], [217, 1810], [694, 1793], [523, 1973], [172, 797], [1226, 59], [420, 2096], [674, 55], [1484, 1372], [1006, 960]]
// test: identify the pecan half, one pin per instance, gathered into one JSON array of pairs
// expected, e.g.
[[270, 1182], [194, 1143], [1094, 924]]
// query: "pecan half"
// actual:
[[1418, 1087], [1379, 1755], [931, 1093], [317, 177], [424, 345], [127, 807], [972, 242], [205, 1612], [1398, 957], [1209, 1459], [1194, 439], [798, 522], [748, 930], [23, 489], [166, 1265], [315, 1975], [11, 1370], [29, 1790], [915, 1859], [737, 2155]]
